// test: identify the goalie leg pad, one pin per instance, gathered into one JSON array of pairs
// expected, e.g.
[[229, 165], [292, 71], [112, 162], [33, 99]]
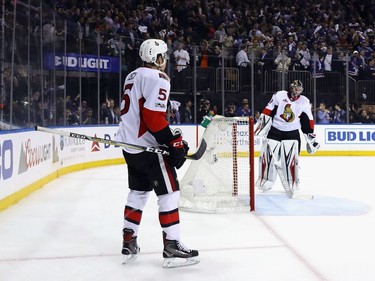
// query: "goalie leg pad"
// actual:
[[269, 154], [288, 169]]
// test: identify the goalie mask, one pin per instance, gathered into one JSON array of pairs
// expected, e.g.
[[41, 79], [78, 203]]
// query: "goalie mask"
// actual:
[[296, 88], [150, 49]]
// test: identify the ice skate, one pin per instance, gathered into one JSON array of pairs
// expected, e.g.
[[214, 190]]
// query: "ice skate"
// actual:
[[130, 248], [176, 254]]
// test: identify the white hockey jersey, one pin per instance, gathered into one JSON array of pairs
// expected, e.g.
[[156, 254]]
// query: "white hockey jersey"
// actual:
[[143, 107], [287, 116]]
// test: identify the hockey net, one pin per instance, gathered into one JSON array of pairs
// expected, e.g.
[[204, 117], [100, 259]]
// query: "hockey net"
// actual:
[[223, 179]]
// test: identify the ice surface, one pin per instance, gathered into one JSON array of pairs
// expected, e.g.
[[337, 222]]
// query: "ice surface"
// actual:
[[71, 230]]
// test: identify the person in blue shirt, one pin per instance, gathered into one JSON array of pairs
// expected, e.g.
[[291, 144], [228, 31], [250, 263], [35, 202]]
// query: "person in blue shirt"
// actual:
[[339, 115], [244, 109], [323, 114]]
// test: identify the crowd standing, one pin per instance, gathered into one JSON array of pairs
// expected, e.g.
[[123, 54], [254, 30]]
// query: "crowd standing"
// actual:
[[283, 35]]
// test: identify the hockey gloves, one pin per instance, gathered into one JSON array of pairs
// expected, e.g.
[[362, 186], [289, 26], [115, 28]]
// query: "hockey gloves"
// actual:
[[263, 125], [311, 145], [178, 149]]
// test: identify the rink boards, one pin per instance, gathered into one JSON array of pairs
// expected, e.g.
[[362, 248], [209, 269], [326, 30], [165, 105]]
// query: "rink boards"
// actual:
[[30, 159]]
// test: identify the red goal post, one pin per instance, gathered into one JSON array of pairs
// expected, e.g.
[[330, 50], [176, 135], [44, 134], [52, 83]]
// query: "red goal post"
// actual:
[[223, 179]]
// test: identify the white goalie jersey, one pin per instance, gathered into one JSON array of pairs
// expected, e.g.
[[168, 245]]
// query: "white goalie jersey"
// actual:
[[287, 115]]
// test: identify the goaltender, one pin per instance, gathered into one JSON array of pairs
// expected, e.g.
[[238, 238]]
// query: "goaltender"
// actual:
[[279, 124]]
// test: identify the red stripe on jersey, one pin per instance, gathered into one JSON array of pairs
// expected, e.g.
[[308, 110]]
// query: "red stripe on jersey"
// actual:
[[142, 125], [154, 120], [169, 218], [266, 111], [171, 177], [133, 215], [312, 124]]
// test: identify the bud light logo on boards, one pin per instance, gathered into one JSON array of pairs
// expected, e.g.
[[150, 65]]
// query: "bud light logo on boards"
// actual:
[[350, 136]]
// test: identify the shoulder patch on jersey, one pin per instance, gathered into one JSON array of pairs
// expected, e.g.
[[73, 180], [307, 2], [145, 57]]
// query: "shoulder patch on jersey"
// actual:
[[163, 76], [132, 75]]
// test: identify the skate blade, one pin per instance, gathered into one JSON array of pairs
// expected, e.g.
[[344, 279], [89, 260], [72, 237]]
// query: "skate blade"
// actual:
[[179, 262], [128, 259]]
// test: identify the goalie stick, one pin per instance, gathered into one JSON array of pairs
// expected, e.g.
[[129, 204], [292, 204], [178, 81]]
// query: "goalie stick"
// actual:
[[195, 156], [290, 193]]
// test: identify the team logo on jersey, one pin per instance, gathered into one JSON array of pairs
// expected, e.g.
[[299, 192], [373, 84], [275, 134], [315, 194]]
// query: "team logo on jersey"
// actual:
[[288, 114]]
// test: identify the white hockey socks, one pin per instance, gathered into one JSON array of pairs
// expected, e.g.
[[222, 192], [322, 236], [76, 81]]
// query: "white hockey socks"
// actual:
[[134, 208], [132, 218], [169, 214]]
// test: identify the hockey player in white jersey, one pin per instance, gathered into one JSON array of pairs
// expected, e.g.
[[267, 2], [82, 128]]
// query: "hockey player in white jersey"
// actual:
[[286, 113], [143, 121]]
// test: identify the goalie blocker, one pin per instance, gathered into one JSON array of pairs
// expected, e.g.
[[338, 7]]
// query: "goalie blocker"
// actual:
[[311, 145]]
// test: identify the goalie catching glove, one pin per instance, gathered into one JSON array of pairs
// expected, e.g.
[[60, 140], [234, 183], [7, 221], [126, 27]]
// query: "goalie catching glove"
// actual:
[[178, 149], [263, 125], [311, 145]]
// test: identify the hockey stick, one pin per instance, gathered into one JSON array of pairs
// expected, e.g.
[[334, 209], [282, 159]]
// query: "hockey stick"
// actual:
[[196, 156], [303, 196], [290, 193]]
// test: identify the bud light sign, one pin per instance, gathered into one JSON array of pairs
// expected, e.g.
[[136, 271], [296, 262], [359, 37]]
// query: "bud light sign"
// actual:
[[350, 136], [75, 62]]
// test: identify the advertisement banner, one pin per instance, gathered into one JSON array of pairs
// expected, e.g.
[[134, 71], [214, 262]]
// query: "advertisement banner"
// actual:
[[28, 156], [75, 62]]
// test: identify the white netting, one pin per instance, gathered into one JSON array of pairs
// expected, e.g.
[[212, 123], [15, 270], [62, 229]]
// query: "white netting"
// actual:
[[220, 181]]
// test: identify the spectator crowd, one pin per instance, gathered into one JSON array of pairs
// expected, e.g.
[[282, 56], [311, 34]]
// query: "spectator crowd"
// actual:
[[283, 35]]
